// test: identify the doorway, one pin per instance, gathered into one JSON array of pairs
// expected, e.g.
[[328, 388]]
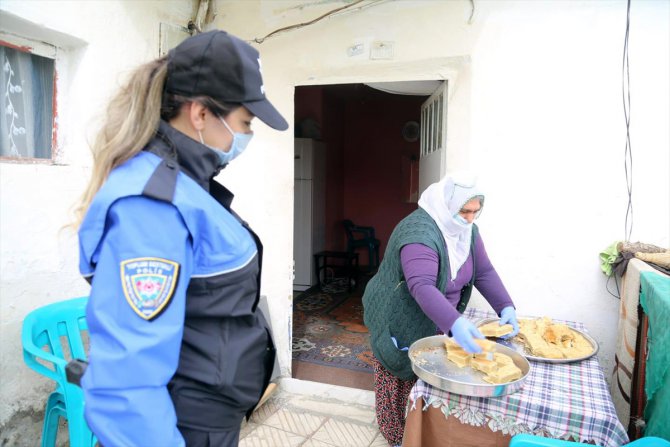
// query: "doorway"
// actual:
[[371, 146]]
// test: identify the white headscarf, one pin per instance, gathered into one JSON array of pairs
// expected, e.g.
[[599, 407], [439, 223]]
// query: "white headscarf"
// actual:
[[442, 201]]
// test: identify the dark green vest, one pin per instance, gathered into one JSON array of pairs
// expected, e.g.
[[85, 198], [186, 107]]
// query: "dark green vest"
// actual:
[[390, 309]]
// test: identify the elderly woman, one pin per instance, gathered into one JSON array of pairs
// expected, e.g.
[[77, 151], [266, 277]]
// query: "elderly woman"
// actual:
[[433, 259]]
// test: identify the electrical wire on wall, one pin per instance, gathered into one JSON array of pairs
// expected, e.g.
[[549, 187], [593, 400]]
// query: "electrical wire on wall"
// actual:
[[323, 16], [628, 153], [616, 283]]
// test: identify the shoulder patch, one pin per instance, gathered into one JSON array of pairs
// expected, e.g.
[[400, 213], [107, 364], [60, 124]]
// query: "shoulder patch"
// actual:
[[149, 284]]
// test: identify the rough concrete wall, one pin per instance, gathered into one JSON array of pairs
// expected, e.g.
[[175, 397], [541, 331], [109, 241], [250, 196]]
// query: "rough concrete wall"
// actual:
[[98, 41]]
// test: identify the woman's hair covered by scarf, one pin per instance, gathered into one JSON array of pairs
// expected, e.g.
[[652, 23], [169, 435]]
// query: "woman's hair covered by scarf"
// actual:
[[459, 189], [442, 201]]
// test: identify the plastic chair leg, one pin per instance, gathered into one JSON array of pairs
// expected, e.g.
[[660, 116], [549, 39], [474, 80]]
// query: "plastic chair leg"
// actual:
[[80, 433], [54, 410]]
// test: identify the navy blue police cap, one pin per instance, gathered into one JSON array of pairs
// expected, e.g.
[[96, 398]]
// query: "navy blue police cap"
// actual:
[[225, 68]]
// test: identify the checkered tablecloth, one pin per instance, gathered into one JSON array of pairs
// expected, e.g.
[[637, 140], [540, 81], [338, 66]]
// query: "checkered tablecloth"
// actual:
[[567, 400]]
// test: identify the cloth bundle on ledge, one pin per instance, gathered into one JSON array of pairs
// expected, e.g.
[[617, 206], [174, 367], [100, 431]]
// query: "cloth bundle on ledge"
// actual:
[[657, 257]]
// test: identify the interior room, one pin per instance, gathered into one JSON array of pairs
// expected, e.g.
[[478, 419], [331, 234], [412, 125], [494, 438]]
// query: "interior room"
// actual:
[[357, 159]]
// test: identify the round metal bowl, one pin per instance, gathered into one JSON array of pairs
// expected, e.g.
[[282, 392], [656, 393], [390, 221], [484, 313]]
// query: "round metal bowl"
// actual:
[[521, 348], [430, 364]]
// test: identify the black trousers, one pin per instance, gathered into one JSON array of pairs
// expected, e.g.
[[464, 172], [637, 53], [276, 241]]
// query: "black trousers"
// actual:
[[211, 416], [197, 438]]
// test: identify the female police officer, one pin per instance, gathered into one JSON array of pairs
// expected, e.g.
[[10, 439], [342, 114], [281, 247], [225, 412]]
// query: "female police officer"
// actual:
[[179, 351]]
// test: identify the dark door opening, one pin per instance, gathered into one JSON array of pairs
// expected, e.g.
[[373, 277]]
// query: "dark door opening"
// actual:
[[369, 143]]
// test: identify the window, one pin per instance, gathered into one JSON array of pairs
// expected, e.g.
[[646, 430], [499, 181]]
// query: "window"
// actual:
[[433, 159], [433, 121], [27, 114]]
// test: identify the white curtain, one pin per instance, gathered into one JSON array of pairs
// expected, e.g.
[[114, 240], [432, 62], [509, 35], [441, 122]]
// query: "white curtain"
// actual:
[[26, 104]]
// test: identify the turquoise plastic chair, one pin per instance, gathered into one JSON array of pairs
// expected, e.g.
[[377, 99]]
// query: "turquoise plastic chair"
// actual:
[[51, 336], [539, 441]]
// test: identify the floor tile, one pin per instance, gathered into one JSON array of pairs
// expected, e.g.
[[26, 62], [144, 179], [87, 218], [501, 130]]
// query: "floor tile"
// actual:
[[266, 410], [327, 392], [379, 441], [246, 428], [264, 436], [300, 423], [334, 408], [315, 443], [345, 434]]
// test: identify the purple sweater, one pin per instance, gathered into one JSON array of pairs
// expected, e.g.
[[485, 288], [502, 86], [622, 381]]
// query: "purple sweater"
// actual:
[[420, 263]]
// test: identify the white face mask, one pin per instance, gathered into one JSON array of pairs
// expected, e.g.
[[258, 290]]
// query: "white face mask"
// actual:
[[461, 220], [239, 144]]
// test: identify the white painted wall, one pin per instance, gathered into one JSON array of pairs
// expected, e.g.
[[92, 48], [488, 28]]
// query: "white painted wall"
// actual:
[[98, 41], [536, 109]]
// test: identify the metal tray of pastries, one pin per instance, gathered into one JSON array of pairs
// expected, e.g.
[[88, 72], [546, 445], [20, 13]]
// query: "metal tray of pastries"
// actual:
[[544, 340], [430, 364]]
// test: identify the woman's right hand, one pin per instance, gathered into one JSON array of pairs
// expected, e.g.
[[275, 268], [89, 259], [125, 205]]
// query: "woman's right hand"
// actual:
[[464, 332]]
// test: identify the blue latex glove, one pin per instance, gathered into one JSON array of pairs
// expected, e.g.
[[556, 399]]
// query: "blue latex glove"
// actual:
[[508, 316], [395, 343], [464, 333]]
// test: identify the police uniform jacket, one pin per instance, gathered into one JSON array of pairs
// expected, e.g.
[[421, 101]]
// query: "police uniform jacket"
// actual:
[[176, 336]]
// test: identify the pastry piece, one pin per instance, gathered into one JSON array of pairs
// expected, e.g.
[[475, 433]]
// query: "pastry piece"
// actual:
[[486, 345], [548, 351], [579, 347], [499, 370], [483, 365], [450, 343], [541, 325], [539, 346], [534, 341], [497, 367], [504, 374], [456, 354], [559, 334], [459, 357], [494, 329], [502, 359]]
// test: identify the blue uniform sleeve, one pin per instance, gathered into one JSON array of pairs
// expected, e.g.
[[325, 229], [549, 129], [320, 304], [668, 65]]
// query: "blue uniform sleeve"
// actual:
[[136, 317]]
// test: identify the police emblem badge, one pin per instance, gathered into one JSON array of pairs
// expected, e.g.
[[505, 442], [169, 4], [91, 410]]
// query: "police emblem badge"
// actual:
[[149, 284]]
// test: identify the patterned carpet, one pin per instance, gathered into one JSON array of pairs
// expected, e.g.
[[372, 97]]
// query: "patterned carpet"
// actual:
[[328, 328]]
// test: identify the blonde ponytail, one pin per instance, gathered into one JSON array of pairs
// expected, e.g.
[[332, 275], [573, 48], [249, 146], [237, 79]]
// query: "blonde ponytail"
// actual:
[[132, 119]]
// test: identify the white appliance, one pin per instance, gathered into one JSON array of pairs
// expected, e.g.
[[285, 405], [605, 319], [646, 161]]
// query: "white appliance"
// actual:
[[309, 209]]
